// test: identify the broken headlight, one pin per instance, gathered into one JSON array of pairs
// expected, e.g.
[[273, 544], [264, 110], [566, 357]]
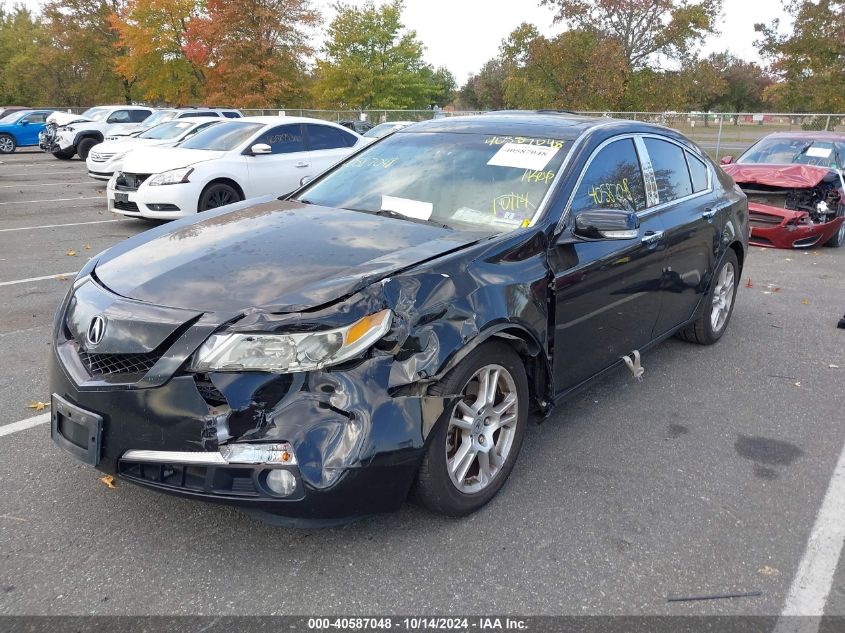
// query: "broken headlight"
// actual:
[[289, 353], [172, 177]]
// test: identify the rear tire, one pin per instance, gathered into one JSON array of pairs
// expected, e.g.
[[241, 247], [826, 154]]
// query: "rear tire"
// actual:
[[66, 154], [85, 146], [475, 443], [716, 313], [218, 194], [7, 144]]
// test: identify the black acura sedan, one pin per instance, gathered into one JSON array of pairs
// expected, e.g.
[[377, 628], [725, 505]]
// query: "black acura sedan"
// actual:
[[385, 330]]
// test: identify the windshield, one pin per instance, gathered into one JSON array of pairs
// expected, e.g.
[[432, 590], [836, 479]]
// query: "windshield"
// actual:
[[13, 116], [384, 129], [793, 151], [96, 114], [223, 137], [171, 129], [466, 181], [159, 117]]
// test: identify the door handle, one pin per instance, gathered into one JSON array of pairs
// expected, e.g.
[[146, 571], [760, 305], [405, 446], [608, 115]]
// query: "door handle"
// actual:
[[301, 164], [652, 236], [709, 214]]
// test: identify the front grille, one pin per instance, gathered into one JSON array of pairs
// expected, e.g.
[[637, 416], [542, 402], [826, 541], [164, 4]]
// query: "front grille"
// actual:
[[98, 157], [105, 365], [763, 220], [126, 206], [129, 182]]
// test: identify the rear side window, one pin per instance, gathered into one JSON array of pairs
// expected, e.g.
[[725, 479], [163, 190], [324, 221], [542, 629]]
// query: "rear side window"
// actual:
[[284, 139], [230, 114], [325, 137], [188, 115], [698, 171], [136, 116], [670, 169], [614, 180]]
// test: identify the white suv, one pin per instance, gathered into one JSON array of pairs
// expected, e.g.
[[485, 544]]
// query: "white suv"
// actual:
[[67, 135], [169, 114]]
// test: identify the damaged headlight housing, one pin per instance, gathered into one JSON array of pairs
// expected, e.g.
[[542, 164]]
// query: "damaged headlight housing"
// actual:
[[172, 177], [289, 353]]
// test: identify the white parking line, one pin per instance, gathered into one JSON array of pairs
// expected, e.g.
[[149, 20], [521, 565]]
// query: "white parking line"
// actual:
[[55, 200], [53, 184], [52, 226], [814, 579], [26, 281], [14, 427], [40, 173]]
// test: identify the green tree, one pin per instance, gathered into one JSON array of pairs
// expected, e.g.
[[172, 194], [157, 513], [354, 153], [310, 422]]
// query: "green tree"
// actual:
[[643, 28], [809, 63], [21, 35], [486, 89], [372, 61]]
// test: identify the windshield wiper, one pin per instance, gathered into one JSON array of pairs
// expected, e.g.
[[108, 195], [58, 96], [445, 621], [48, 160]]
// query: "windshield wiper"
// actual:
[[395, 214]]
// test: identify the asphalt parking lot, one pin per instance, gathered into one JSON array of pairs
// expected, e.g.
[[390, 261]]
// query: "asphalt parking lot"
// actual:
[[705, 478]]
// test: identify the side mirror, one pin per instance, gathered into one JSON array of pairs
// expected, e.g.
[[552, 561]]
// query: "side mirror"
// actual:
[[726, 160], [261, 148], [305, 180], [24, 122], [607, 224]]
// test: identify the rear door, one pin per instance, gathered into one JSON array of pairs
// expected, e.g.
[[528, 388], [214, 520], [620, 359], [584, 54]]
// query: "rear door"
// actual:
[[280, 171], [327, 145], [689, 210], [606, 292]]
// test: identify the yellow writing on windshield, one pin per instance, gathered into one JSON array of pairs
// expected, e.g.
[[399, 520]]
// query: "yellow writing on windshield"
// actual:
[[525, 140], [384, 163], [544, 177]]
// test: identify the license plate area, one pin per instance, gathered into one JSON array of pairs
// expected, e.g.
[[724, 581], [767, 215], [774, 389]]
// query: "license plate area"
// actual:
[[122, 198], [76, 430]]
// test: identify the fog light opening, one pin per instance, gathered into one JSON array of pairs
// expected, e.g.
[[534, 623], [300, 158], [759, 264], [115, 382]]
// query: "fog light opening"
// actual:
[[281, 482]]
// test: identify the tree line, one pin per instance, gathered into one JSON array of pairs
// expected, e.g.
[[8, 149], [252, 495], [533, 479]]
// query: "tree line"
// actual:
[[614, 55]]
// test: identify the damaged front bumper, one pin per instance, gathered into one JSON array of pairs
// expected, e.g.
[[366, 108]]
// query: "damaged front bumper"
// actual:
[[775, 227], [354, 446]]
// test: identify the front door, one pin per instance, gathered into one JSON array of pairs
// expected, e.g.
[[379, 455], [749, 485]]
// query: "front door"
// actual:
[[605, 292], [279, 172]]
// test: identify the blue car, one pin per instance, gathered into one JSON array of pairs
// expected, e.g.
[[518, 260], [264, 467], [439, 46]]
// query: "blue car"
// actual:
[[20, 129]]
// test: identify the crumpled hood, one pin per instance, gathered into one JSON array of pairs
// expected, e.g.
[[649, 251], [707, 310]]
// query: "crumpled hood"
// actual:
[[156, 160], [282, 256], [65, 118], [791, 176]]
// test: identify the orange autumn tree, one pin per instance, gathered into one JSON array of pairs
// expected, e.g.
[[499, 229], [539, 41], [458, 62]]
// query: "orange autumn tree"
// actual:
[[153, 38], [254, 51]]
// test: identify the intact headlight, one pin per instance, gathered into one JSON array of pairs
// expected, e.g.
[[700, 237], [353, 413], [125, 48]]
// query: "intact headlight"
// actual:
[[289, 353], [172, 177]]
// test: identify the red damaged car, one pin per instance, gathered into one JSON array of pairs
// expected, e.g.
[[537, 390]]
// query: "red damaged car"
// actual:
[[795, 188]]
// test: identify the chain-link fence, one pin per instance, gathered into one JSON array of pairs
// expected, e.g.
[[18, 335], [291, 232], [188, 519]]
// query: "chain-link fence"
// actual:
[[719, 134]]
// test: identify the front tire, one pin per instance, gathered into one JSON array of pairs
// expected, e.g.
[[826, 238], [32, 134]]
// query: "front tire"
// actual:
[[838, 238], [476, 441], [66, 154], [218, 194], [7, 144], [711, 324], [85, 146]]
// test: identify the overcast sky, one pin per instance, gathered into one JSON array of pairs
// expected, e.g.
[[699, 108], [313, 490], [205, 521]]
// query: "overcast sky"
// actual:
[[463, 34]]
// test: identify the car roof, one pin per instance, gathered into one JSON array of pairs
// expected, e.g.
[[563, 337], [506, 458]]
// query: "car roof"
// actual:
[[535, 123], [284, 119]]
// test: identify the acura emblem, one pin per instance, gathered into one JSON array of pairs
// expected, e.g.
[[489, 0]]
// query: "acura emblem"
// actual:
[[96, 330]]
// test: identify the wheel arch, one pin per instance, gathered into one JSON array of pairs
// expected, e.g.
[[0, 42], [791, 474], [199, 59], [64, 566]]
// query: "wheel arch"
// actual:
[[737, 248], [224, 180], [92, 134]]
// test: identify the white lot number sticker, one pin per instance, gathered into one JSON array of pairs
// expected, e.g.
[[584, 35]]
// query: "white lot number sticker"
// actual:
[[522, 156], [411, 208], [819, 152]]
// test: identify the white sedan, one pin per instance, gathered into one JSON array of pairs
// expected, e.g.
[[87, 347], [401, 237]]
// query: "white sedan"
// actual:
[[107, 158], [229, 162]]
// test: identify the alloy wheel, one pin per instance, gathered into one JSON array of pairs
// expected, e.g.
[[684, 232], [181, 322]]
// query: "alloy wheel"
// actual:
[[723, 296], [7, 146], [221, 197], [481, 429]]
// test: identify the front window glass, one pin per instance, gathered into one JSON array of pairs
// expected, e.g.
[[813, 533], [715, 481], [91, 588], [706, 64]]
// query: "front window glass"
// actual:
[[159, 117], [467, 181], [223, 137], [614, 180], [285, 139], [789, 151], [171, 129]]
